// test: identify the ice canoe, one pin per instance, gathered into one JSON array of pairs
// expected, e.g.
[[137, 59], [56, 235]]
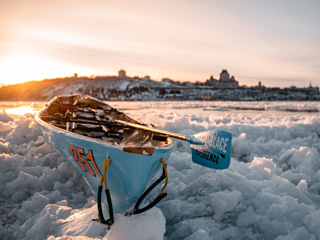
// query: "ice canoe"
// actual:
[[85, 132]]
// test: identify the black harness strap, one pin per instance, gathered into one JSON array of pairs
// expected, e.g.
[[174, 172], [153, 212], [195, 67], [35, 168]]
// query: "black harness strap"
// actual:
[[101, 219], [136, 209]]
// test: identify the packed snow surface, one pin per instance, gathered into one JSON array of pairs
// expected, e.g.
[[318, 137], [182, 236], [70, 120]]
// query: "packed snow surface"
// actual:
[[270, 191]]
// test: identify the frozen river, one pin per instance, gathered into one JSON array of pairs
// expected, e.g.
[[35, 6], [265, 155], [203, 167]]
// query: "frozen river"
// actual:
[[270, 191]]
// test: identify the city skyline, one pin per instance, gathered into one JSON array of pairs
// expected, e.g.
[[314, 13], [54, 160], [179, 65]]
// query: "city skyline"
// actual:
[[274, 42]]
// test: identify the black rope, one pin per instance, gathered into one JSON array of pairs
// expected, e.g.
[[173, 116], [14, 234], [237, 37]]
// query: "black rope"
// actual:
[[136, 209], [101, 219]]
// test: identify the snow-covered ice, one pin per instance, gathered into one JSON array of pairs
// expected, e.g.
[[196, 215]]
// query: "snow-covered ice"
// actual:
[[270, 191]]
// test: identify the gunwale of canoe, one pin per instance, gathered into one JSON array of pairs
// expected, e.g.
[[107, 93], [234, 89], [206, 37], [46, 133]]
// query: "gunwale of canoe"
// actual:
[[118, 136]]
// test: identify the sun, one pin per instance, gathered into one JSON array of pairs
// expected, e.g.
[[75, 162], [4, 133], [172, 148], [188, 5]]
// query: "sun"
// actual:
[[22, 68]]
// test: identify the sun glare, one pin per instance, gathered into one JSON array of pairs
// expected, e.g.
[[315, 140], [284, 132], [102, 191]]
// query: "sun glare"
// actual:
[[23, 68], [20, 110]]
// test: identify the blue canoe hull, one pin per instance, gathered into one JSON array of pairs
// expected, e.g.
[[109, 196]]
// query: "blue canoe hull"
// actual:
[[128, 173]]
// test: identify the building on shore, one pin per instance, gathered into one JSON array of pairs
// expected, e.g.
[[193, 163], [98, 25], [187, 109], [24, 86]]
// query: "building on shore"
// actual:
[[122, 74], [225, 81]]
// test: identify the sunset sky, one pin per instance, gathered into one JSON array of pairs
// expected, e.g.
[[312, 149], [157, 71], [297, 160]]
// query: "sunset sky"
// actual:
[[276, 42]]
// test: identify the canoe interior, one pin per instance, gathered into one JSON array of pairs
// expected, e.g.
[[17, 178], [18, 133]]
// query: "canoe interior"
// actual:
[[95, 119]]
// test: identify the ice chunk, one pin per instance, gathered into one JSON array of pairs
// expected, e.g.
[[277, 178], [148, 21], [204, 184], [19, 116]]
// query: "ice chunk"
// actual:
[[264, 167], [303, 186], [226, 201], [5, 117], [199, 234], [247, 218], [313, 224], [146, 226], [297, 234]]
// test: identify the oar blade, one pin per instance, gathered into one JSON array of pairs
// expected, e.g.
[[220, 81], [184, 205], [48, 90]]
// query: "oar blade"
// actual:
[[216, 152]]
